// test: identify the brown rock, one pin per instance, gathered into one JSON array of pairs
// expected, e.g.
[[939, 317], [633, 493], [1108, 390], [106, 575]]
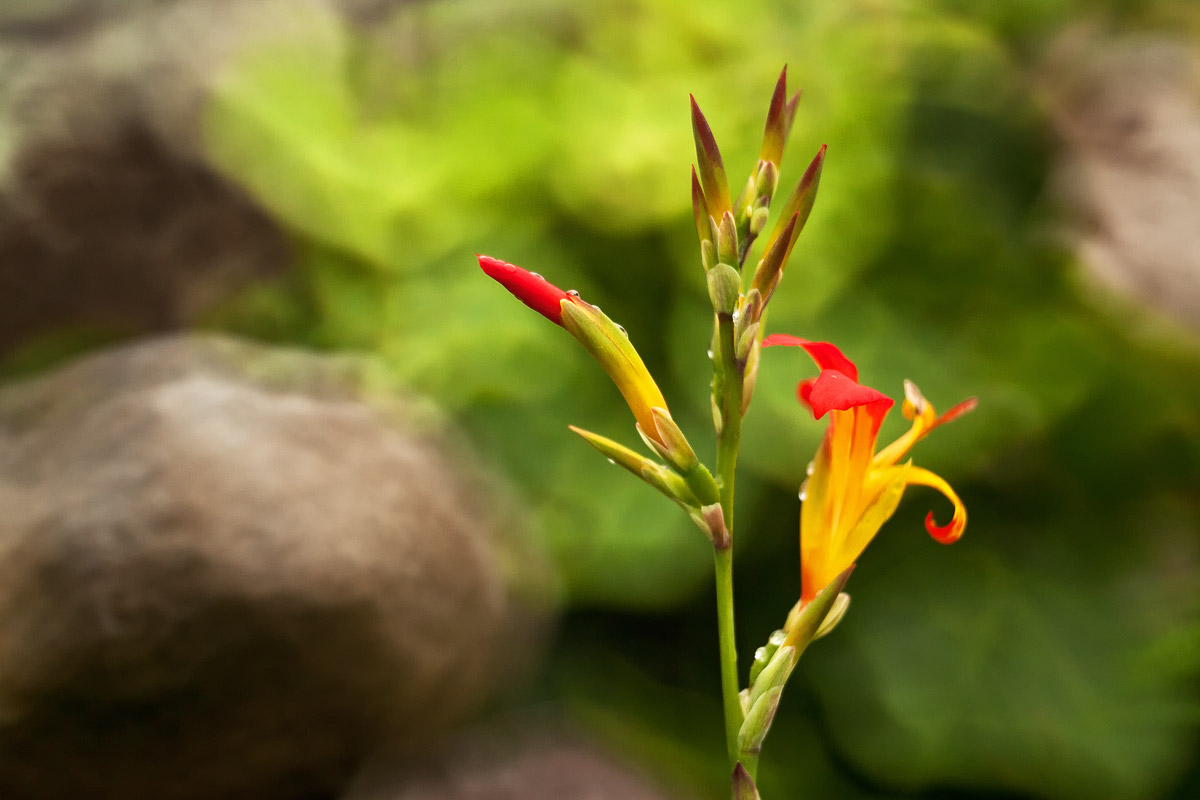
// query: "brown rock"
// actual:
[[506, 764], [112, 220], [223, 577], [1128, 115]]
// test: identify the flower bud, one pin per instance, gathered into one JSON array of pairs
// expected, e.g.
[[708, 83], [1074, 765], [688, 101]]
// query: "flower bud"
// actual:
[[724, 288]]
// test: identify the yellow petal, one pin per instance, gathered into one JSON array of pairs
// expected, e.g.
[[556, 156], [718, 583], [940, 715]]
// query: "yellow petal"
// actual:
[[883, 495]]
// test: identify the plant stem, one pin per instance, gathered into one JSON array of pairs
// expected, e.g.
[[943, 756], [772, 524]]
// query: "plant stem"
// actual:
[[729, 674], [730, 383]]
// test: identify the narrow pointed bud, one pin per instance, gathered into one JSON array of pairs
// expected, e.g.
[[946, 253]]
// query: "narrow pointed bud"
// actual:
[[655, 474], [700, 210], [766, 275], [776, 130], [727, 239], [530, 288], [724, 288], [610, 346], [743, 784], [673, 445], [775, 674], [758, 722], [800, 201], [712, 169], [804, 624]]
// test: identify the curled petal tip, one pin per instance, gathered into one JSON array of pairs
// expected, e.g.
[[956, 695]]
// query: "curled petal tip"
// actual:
[[945, 534], [965, 407]]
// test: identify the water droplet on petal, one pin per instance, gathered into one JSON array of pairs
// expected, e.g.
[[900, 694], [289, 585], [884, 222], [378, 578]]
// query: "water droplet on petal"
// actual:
[[624, 332], [710, 354], [809, 469], [537, 275], [804, 491], [573, 292]]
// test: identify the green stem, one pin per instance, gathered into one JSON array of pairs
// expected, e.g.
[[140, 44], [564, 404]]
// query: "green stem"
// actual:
[[730, 383], [729, 670]]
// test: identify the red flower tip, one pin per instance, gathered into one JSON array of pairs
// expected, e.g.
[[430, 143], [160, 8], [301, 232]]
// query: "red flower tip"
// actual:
[[530, 288], [945, 534]]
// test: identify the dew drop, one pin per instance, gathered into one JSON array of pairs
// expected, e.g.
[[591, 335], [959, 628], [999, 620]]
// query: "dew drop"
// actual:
[[537, 275], [804, 491], [809, 469], [573, 292], [710, 354], [624, 332], [735, 315], [611, 461]]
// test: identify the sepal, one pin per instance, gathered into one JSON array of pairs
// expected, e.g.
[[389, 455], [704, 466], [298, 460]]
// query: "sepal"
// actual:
[[803, 625], [743, 784]]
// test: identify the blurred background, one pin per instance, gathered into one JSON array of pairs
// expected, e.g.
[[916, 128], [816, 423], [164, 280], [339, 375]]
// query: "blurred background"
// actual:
[[1010, 209]]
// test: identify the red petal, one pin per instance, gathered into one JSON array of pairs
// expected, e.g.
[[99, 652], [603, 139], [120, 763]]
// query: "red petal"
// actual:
[[834, 391], [827, 355], [530, 288], [804, 393]]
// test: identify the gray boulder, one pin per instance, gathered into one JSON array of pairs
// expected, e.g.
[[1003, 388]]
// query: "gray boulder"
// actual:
[[223, 576]]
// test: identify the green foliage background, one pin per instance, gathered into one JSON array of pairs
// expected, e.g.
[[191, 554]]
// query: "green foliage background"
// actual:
[[1055, 651]]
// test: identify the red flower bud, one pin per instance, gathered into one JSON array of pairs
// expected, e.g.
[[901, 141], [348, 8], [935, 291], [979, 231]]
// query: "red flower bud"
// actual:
[[530, 288]]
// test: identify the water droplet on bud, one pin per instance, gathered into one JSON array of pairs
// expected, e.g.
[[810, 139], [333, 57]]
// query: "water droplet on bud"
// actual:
[[624, 332], [537, 275], [611, 461], [573, 292], [710, 354]]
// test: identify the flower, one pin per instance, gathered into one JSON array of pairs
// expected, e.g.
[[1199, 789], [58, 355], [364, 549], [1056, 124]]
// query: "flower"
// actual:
[[608, 344], [851, 489]]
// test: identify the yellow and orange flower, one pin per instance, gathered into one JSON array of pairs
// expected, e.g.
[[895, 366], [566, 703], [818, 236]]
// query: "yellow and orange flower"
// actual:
[[851, 489]]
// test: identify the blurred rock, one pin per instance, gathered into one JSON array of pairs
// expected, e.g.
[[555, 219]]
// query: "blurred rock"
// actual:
[[1128, 114], [110, 217], [222, 576], [503, 764]]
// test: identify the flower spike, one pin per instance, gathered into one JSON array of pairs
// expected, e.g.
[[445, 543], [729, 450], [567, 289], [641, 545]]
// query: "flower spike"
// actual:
[[852, 490]]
